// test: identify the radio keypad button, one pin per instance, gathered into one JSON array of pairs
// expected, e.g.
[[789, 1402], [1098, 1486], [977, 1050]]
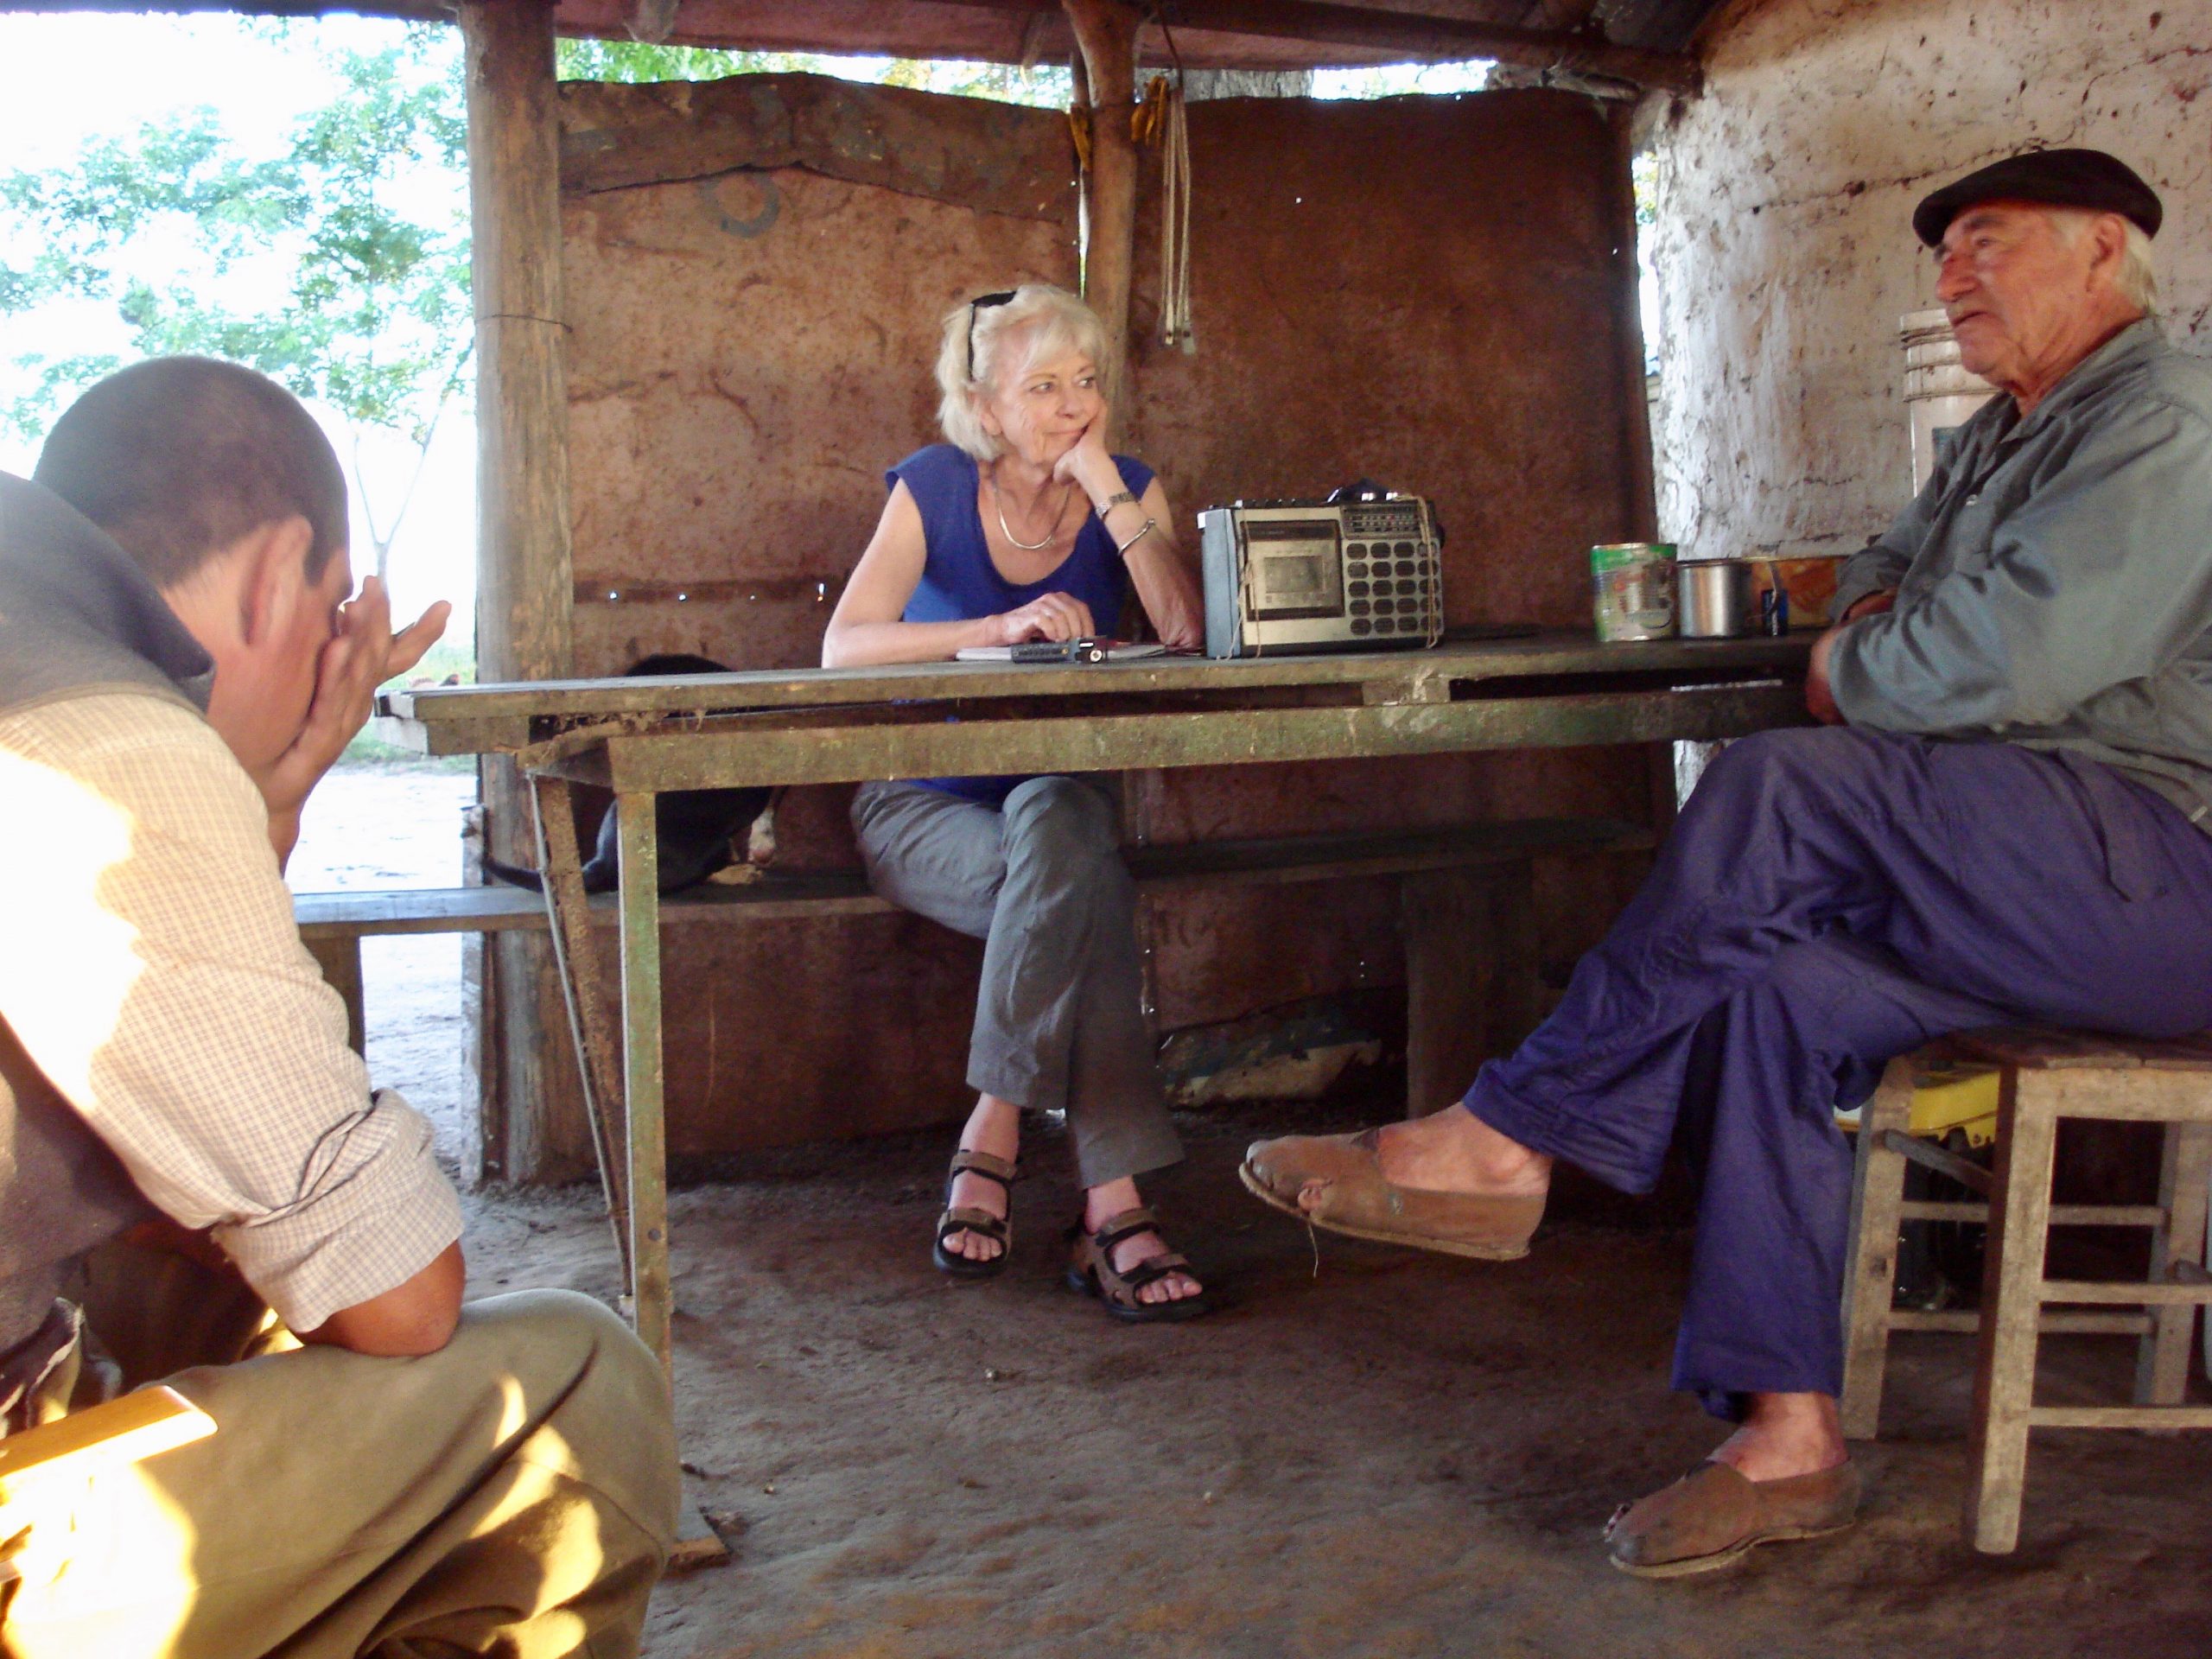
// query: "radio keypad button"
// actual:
[[1404, 550], [1359, 607], [1384, 624], [1360, 625], [1356, 589]]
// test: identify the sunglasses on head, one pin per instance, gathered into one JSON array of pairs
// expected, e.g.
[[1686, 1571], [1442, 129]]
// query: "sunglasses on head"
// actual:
[[975, 305]]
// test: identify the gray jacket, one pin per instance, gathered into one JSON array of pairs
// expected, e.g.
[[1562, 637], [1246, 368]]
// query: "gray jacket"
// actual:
[[2055, 578]]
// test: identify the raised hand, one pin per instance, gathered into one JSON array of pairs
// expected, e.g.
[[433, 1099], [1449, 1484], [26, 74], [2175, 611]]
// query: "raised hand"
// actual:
[[362, 653], [1089, 465]]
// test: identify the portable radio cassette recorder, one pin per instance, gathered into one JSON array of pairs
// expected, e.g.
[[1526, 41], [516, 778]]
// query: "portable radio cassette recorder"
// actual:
[[1361, 571]]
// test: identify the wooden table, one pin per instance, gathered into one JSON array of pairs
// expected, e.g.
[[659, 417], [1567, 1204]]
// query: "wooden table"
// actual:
[[643, 737]]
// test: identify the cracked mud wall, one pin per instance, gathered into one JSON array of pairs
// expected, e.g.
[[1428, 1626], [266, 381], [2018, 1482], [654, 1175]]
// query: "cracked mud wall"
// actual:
[[1783, 251]]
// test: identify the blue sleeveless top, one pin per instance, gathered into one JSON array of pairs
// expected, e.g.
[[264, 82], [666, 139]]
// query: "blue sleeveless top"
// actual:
[[959, 581]]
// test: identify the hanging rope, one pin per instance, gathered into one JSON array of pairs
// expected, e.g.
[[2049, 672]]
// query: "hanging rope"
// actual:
[[1175, 226], [1162, 119]]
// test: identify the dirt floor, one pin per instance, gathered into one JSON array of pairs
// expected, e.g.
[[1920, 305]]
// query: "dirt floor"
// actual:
[[1365, 1452], [1385, 1454]]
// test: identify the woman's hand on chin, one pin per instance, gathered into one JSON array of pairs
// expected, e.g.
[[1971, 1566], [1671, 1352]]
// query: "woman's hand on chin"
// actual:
[[1089, 465], [1055, 616]]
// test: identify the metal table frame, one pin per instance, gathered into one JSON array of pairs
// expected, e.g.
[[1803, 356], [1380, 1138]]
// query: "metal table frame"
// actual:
[[640, 738]]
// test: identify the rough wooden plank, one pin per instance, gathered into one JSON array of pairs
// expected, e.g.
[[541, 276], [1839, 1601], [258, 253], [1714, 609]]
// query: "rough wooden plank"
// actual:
[[575, 959], [338, 916], [140, 1424], [524, 565], [643, 1076], [1928, 1155], [2062, 1214], [2177, 1253], [338, 956], [2047, 1048], [1301, 858], [2005, 1374], [488, 910], [2053, 1322], [2120, 1417], [1106, 33], [1544, 655], [2126, 1293], [1871, 1278], [990, 157], [717, 757], [1471, 949]]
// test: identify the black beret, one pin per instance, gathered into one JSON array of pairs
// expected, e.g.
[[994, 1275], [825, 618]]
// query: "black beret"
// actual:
[[2064, 178]]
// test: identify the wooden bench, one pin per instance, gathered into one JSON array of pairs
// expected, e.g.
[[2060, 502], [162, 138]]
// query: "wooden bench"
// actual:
[[1465, 908]]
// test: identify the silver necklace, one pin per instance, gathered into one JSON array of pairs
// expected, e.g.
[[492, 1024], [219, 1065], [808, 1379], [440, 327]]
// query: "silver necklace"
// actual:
[[998, 504]]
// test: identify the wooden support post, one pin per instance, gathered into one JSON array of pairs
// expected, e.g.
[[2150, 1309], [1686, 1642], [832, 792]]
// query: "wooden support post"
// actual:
[[535, 1123], [341, 962], [2176, 1245], [2012, 1292], [576, 955], [1870, 1282], [642, 1074], [1471, 975], [1106, 30]]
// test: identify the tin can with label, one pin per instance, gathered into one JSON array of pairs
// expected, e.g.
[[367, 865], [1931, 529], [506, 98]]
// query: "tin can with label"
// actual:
[[1635, 583]]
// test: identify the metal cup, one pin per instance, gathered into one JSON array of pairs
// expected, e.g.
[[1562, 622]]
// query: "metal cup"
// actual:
[[1714, 599]]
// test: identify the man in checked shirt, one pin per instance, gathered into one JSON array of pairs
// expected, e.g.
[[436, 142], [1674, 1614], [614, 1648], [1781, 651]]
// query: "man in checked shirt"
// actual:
[[185, 1141]]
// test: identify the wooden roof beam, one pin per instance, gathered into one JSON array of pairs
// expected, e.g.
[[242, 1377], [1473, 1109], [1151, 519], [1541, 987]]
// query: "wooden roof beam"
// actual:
[[1414, 37]]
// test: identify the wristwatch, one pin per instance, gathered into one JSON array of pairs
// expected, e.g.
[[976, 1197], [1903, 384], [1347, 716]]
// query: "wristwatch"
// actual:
[[1120, 497]]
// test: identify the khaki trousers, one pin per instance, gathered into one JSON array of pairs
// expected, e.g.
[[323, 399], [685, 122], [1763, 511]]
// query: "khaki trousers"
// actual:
[[513, 1494]]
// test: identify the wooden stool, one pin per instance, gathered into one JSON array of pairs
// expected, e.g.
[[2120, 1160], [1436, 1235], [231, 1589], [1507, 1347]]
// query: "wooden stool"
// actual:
[[2045, 1075]]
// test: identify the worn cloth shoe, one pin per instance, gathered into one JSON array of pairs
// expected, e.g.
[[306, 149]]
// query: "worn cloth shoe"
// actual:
[[1714, 1515], [1356, 1200]]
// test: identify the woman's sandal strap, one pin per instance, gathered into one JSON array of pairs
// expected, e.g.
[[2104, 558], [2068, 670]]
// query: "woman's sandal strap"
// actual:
[[1152, 1269], [972, 1221], [1116, 1230], [965, 1163]]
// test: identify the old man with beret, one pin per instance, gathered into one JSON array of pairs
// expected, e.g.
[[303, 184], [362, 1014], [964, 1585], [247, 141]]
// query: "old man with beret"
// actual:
[[2007, 816]]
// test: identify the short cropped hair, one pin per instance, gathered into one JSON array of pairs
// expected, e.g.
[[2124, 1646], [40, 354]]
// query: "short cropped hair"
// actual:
[[1039, 319], [179, 457], [2137, 279]]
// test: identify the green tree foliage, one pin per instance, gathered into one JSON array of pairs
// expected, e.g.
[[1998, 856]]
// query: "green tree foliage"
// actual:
[[334, 268], [636, 60]]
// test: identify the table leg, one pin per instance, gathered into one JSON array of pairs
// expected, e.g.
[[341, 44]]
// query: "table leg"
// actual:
[[575, 956], [636, 814]]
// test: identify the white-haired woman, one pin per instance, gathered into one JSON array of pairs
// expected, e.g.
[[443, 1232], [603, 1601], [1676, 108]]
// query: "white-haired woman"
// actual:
[[1023, 527]]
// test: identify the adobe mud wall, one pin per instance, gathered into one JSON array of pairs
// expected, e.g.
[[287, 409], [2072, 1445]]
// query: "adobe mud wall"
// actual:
[[1784, 249], [1435, 292]]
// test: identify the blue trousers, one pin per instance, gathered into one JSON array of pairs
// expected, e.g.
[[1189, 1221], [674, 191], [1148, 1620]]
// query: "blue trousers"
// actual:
[[1828, 899]]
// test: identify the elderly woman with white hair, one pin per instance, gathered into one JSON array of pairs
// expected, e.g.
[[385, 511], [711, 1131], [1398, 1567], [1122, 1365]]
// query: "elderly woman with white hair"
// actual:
[[1025, 527]]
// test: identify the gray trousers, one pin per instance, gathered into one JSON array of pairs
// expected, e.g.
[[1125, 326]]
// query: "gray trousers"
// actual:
[[1059, 1021]]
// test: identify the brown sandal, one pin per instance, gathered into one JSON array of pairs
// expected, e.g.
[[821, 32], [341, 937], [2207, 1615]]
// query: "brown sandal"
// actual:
[[1091, 1269], [981, 1223]]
